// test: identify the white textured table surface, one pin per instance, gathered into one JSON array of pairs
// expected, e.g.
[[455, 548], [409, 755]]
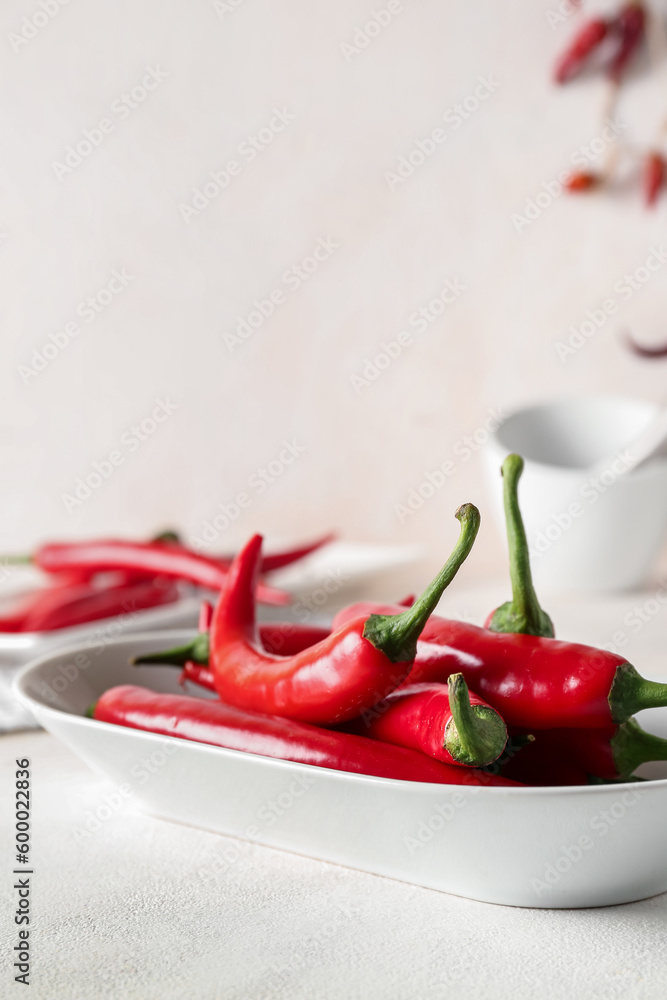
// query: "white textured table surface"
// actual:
[[141, 908]]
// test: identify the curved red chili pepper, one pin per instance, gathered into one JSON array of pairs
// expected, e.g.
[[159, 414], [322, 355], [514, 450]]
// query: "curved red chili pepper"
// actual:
[[445, 721], [221, 725], [335, 679], [155, 559], [534, 682], [589, 37]]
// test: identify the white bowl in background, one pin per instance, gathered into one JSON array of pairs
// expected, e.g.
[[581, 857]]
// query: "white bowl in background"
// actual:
[[590, 527], [539, 847]]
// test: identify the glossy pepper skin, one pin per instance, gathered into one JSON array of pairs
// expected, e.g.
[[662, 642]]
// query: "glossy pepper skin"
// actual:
[[532, 681], [152, 558], [281, 638], [332, 681], [221, 725], [445, 721]]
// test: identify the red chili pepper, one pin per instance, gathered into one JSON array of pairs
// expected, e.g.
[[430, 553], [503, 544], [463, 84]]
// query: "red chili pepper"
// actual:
[[277, 560], [582, 180], [444, 721], [589, 37], [534, 682], [154, 559], [221, 725], [630, 24], [654, 177], [87, 604], [609, 753], [283, 638], [523, 613], [339, 676]]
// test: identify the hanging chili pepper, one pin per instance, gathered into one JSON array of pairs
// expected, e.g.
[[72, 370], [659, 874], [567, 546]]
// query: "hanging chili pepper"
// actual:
[[221, 725], [630, 25], [582, 180], [654, 177], [534, 682], [444, 721], [154, 559], [589, 37], [335, 679], [523, 613]]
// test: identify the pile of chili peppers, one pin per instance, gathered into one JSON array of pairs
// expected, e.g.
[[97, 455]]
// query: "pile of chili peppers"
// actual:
[[613, 43], [98, 579], [399, 692]]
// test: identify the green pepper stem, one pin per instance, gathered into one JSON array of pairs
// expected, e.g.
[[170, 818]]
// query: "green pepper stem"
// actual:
[[630, 693], [195, 651], [523, 613], [90, 711], [396, 635], [632, 746], [475, 735], [22, 560]]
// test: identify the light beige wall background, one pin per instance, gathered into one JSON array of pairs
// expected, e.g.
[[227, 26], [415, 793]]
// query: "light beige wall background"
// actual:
[[219, 71]]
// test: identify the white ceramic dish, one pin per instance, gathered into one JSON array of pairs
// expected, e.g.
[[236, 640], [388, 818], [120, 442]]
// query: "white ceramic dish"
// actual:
[[550, 847], [572, 504]]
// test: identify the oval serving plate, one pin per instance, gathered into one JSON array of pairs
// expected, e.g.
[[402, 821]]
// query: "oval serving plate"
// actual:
[[539, 847]]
